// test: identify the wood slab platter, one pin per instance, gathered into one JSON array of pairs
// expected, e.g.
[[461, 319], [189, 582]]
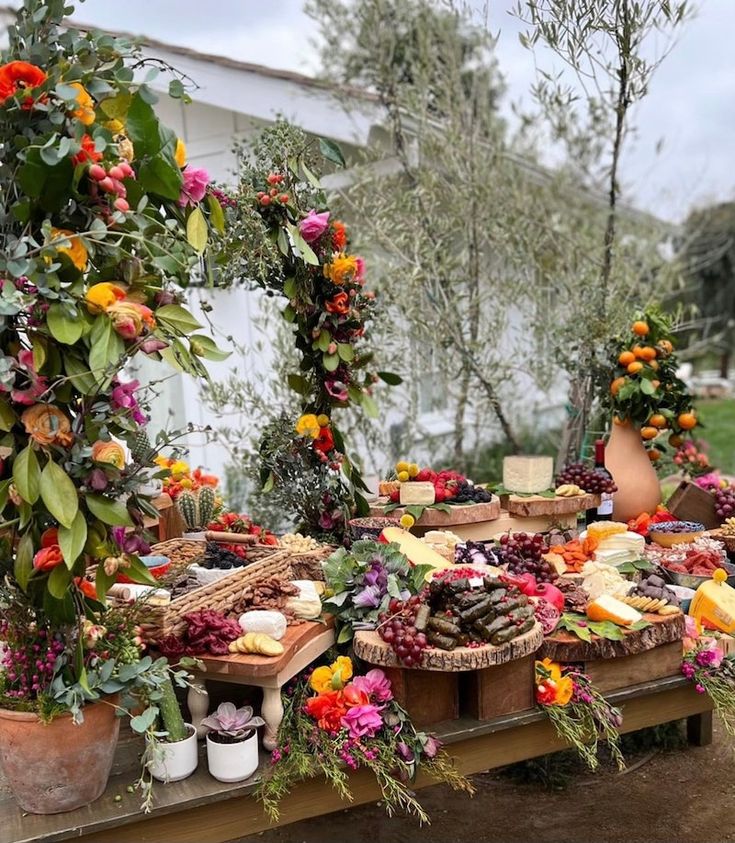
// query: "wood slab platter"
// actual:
[[370, 647], [256, 666], [470, 513], [533, 506], [563, 646]]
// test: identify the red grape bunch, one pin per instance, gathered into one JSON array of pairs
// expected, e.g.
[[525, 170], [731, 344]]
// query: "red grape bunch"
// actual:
[[397, 628], [522, 553], [593, 482], [725, 502]]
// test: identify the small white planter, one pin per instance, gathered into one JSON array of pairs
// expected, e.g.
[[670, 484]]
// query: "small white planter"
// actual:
[[233, 762], [175, 761]]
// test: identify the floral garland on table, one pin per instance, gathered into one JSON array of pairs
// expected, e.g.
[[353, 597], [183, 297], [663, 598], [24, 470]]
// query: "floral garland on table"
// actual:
[[712, 673], [302, 253], [334, 722], [579, 713]]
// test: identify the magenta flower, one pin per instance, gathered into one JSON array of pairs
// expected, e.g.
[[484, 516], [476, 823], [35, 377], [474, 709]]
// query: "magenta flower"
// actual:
[[123, 398], [362, 721], [360, 271], [375, 684], [152, 345], [405, 751], [337, 389], [431, 746], [130, 542], [97, 480], [36, 383], [194, 187], [313, 225]]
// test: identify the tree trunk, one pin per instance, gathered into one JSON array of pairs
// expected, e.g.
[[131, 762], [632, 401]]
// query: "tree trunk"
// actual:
[[725, 364]]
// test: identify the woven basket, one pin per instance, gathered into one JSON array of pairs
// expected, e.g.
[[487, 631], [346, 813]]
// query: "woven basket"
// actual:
[[179, 551], [727, 540]]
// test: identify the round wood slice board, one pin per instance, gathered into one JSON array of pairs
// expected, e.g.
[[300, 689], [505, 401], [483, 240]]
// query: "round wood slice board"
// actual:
[[562, 646], [471, 513], [371, 648], [531, 506]]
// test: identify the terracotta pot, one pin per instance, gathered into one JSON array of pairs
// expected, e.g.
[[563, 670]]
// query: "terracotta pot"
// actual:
[[58, 766], [638, 485]]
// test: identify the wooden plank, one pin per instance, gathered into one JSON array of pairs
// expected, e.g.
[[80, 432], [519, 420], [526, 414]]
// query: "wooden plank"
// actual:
[[429, 698], [608, 674], [699, 729], [460, 514], [564, 646], [502, 689], [534, 506], [690, 503]]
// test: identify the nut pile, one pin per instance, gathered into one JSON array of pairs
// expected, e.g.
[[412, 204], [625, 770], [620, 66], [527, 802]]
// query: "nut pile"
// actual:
[[298, 543]]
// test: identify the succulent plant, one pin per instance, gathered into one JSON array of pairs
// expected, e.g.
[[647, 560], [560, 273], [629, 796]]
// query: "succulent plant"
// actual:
[[235, 722]]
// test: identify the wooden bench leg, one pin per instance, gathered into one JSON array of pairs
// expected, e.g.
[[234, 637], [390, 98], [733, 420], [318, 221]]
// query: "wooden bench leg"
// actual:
[[272, 712], [699, 729]]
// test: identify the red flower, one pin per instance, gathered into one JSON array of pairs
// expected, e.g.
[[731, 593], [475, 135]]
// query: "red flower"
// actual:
[[48, 558], [17, 76], [338, 304], [339, 236], [354, 696], [324, 442], [86, 587], [327, 709], [50, 537], [545, 693], [87, 152]]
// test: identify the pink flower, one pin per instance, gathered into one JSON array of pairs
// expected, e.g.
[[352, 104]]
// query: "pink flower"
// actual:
[[375, 684], [123, 398], [360, 271], [431, 746], [337, 389], [37, 383], [194, 187], [151, 345], [362, 720], [313, 225]]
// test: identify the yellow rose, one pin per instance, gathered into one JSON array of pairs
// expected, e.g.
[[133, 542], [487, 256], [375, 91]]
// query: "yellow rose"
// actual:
[[179, 467], [308, 425], [102, 296], [180, 153], [109, 452], [321, 679], [85, 110], [72, 247], [127, 319], [564, 690], [117, 127], [341, 672]]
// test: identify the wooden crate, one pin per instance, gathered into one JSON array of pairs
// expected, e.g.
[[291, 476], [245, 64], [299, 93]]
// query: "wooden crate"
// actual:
[[501, 689], [658, 663], [690, 503], [429, 696]]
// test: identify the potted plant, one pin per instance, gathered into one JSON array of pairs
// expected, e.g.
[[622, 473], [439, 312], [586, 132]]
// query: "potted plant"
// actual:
[[232, 742], [171, 754], [102, 224]]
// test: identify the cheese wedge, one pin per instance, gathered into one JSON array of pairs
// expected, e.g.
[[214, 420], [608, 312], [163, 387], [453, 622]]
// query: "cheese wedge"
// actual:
[[527, 475], [421, 494], [417, 551], [607, 608]]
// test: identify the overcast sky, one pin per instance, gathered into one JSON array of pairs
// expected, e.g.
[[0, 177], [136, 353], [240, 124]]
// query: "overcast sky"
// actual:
[[691, 104]]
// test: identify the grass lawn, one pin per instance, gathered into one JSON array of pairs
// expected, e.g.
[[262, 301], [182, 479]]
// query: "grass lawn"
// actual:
[[718, 418]]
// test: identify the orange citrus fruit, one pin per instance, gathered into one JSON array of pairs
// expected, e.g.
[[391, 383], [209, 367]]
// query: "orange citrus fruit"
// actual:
[[647, 353], [616, 384], [626, 358], [649, 432], [665, 346], [675, 440], [634, 368], [654, 454], [641, 328], [637, 351], [657, 420], [653, 364], [687, 421]]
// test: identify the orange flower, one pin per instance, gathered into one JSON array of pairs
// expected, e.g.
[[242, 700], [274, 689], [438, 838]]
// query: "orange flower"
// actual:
[[338, 304], [564, 690], [345, 269], [327, 709], [101, 296], [129, 317], [339, 236], [109, 452], [47, 425], [88, 152], [86, 587], [17, 76], [48, 558], [71, 246], [85, 111]]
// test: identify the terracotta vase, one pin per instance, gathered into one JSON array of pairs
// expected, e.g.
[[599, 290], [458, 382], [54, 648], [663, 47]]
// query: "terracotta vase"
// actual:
[[626, 459], [58, 766]]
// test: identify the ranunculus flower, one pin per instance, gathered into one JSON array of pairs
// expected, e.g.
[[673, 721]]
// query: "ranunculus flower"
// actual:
[[352, 695], [92, 633], [71, 246], [324, 442], [546, 693], [333, 677], [339, 236], [327, 709], [339, 304], [85, 104], [313, 225], [337, 389], [100, 297], [307, 425], [19, 76], [109, 452], [29, 394], [88, 152], [345, 269], [194, 186], [321, 679], [375, 684], [47, 425], [127, 319], [362, 721], [48, 558]]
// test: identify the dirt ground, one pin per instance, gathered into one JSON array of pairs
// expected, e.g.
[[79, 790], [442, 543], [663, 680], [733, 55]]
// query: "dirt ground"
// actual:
[[673, 796]]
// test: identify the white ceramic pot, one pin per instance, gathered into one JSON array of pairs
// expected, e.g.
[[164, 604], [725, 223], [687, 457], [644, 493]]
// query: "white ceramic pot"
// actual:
[[175, 761], [233, 762]]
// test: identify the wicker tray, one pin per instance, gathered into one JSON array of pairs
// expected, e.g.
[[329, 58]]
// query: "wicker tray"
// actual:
[[226, 592]]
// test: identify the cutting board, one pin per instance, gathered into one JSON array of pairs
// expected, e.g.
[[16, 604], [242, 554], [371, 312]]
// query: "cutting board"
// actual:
[[535, 506]]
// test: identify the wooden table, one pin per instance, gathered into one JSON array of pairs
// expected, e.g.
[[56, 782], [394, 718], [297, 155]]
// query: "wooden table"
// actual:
[[203, 810], [302, 644]]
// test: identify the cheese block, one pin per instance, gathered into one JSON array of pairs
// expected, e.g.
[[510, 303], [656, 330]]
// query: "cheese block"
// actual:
[[417, 551], [607, 608], [265, 621], [422, 494], [528, 475], [557, 562]]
